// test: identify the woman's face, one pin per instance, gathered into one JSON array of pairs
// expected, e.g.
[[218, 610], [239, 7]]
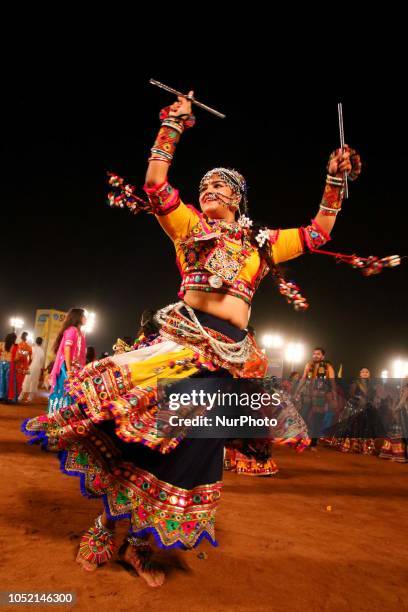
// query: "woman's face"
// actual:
[[212, 202], [83, 320], [364, 373]]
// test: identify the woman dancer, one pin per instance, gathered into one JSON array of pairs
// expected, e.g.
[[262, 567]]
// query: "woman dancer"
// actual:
[[170, 488]]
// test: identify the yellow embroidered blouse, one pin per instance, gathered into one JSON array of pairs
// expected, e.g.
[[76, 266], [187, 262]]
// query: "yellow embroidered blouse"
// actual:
[[216, 256]]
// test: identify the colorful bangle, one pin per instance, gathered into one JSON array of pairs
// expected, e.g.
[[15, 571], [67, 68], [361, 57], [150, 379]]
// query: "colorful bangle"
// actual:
[[169, 135], [159, 158], [336, 181], [175, 125], [166, 142], [330, 211], [332, 195], [161, 153]]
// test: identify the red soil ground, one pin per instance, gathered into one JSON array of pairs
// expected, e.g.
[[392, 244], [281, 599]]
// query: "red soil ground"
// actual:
[[281, 548]]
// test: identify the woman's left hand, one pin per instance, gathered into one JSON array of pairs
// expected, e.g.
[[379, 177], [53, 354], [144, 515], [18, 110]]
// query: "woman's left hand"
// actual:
[[347, 161]]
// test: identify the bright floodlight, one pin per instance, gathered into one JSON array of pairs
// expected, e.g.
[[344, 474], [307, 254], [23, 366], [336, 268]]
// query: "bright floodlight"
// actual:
[[294, 352], [90, 322], [384, 374], [30, 338], [399, 368], [272, 341], [16, 323]]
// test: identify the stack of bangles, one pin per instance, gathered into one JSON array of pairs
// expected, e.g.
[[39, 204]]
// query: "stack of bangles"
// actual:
[[169, 136], [338, 182]]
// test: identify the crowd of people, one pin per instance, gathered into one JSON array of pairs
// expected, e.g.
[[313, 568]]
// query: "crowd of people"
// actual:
[[20, 368], [365, 415], [23, 371]]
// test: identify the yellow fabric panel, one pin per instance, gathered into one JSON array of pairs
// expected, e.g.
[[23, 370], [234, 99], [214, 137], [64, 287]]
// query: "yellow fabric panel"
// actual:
[[178, 223], [146, 373], [251, 267], [248, 271], [287, 246]]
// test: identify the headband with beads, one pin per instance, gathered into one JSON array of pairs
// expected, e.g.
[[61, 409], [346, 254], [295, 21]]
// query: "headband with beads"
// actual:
[[233, 178]]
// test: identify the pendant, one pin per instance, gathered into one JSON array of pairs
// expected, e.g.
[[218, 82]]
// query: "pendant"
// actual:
[[215, 281]]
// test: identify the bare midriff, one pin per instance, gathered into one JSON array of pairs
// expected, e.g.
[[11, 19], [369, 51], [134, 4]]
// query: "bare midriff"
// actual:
[[226, 307]]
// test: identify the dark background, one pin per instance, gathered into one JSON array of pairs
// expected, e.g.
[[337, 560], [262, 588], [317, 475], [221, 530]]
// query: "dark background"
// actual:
[[66, 123]]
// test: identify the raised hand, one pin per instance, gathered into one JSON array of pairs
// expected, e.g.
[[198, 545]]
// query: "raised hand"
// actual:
[[181, 107], [347, 161]]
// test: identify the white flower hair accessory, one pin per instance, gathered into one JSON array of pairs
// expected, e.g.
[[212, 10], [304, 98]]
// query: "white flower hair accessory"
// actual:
[[244, 221], [262, 236]]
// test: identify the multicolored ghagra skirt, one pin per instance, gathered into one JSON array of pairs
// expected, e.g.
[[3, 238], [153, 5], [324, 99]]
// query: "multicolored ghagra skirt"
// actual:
[[108, 436]]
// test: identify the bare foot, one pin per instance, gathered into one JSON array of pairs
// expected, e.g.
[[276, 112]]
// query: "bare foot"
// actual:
[[151, 572]]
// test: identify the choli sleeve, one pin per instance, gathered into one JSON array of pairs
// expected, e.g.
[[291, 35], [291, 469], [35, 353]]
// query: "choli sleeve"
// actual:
[[290, 243], [286, 244], [174, 216]]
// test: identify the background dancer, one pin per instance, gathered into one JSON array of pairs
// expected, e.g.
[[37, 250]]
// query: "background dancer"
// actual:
[[316, 389]]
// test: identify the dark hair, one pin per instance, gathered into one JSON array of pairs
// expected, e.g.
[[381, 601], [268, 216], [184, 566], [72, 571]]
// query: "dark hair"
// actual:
[[39, 341], [147, 323], [90, 354], [293, 374], [265, 252], [319, 348], [72, 319], [9, 340], [24, 336]]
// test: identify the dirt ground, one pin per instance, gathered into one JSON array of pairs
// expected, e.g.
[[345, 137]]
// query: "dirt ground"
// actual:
[[281, 547]]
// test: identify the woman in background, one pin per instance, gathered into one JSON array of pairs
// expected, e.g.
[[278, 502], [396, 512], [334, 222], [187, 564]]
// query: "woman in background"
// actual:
[[70, 349], [16, 375], [25, 354], [395, 445], [8, 349], [359, 423]]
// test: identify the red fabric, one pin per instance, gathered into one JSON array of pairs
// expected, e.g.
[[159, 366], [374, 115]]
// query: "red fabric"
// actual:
[[12, 388]]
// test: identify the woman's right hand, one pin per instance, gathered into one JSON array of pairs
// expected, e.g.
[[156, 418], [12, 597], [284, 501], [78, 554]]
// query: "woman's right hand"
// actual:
[[181, 107]]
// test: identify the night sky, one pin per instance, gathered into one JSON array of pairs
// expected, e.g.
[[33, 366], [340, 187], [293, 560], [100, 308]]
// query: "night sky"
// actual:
[[61, 245]]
